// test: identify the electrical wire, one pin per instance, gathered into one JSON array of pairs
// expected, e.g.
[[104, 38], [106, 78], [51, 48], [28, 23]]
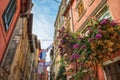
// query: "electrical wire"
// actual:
[[57, 1]]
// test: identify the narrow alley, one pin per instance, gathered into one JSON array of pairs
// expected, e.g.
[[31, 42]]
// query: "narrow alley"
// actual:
[[59, 40]]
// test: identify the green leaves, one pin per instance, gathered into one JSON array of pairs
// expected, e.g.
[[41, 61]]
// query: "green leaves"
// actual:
[[61, 75]]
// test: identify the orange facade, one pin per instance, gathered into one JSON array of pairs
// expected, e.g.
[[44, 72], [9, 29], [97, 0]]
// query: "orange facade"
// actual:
[[6, 34], [91, 8]]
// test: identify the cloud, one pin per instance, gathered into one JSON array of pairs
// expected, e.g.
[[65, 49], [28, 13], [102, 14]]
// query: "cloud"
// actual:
[[44, 12], [44, 15]]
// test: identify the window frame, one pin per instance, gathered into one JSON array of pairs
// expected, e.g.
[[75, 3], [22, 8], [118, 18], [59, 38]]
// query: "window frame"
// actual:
[[101, 13], [68, 25], [79, 2], [112, 70], [9, 14]]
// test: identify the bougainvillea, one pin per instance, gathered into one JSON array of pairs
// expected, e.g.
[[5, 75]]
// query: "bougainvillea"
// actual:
[[100, 43], [66, 41]]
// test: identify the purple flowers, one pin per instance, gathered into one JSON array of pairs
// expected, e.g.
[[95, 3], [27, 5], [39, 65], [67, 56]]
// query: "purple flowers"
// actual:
[[91, 39], [81, 64], [59, 46], [62, 29], [80, 37], [61, 53], [89, 28], [113, 23], [104, 21], [59, 31], [76, 46], [66, 35], [74, 56], [98, 36], [83, 46]]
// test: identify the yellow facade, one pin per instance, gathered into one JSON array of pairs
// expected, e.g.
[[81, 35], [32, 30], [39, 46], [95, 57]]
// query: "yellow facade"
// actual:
[[56, 55], [22, 53]]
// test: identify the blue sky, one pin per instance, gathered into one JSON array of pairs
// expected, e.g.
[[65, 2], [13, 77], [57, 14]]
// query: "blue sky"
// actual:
[[44, 12]]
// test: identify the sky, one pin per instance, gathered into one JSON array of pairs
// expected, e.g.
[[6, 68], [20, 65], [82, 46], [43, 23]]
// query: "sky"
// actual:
[[44, 15]]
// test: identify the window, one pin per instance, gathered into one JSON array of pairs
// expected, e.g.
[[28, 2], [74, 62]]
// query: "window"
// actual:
[[113, 71], [68, 24], [80, 8], [9, 13], [103, 13], [67, 20], [83, 29]]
